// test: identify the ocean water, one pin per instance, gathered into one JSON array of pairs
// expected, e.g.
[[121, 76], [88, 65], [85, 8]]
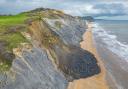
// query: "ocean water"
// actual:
[[113, 35]]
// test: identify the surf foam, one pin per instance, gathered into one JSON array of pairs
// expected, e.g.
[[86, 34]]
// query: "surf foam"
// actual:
[[111, 41]]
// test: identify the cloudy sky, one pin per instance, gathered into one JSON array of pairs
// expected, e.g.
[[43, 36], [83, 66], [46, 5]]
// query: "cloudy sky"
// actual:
[[74, 7]]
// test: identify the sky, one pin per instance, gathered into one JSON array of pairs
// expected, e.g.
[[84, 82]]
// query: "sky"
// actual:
[[96, 8]]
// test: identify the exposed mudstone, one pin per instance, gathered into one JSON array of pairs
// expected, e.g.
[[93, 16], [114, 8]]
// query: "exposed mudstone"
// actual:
[[34, 71], [77, 63], [71, 31]]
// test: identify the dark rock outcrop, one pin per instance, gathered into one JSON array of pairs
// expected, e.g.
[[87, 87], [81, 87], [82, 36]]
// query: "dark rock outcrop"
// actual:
[[76, 63]]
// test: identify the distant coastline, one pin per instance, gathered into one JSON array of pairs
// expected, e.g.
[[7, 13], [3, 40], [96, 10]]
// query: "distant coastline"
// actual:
[[108, 20]]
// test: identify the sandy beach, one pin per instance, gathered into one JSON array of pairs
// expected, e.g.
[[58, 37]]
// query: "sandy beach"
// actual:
[[96, 81]]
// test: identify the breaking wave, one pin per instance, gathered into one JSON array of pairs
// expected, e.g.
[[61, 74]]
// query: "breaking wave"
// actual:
[[111, 42]]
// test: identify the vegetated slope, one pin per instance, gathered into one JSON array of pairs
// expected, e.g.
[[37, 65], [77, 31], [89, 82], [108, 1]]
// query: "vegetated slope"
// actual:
[[45, 50], [10, 37]]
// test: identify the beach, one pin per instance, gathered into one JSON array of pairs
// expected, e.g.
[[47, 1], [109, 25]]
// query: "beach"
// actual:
[[97, 81]]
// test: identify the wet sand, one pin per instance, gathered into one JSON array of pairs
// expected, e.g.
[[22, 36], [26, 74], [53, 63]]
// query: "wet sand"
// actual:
[[97, 81]]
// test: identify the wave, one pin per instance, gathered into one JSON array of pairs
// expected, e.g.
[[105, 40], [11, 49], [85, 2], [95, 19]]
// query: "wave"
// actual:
[[111, 41]]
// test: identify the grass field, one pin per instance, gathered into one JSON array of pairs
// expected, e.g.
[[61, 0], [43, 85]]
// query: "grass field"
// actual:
[[12, 20]]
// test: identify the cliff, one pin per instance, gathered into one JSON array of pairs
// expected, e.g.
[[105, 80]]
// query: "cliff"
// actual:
[[44, 52], [89, 18]]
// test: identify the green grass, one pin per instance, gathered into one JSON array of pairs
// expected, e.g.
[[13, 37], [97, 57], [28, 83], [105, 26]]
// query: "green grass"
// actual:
[[4, 67], [46, 14], [12, 20], [13, 38]]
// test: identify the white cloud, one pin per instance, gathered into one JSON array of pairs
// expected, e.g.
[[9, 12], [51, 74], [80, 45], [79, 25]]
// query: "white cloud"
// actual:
[[82, 9], [114, 8], [74, 7]]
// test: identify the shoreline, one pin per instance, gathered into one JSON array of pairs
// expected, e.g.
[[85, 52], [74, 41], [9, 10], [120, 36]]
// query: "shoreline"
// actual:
[[117, 68], [97, 81]]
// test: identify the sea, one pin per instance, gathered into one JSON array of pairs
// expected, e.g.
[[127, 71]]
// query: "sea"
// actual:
[[111, 39], [113, 34]]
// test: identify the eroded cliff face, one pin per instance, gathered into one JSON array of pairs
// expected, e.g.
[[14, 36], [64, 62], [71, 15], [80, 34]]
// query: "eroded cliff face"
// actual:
[[54, 56], [34, 70], [61, 38]]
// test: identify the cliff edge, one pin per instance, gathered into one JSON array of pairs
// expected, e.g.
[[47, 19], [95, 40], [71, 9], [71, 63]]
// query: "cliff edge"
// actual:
[[41, 50]]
